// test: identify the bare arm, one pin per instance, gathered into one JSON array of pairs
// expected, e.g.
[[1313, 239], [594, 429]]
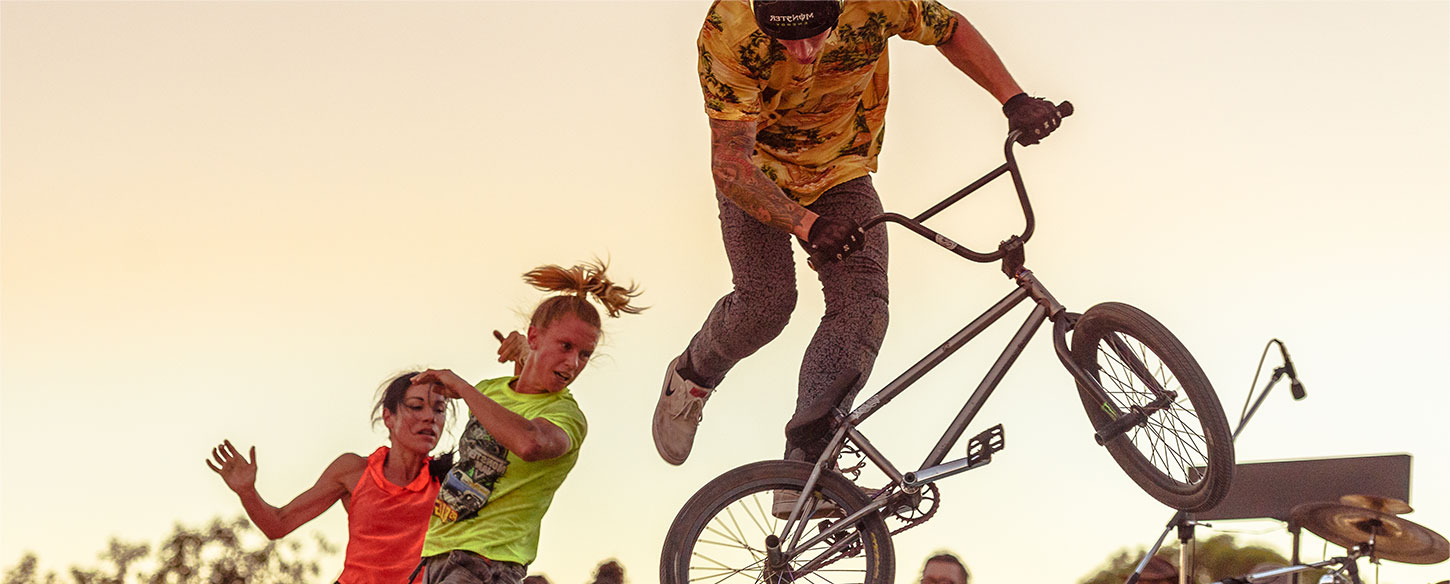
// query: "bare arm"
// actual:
[[737, 177], [531, 440], [240, 475], [969, 52]]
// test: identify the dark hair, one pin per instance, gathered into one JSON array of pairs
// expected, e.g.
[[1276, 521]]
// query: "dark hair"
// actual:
[[391, 394], [609, 572], [438, 467], [1159, 568], [577, 284], [949, 559]]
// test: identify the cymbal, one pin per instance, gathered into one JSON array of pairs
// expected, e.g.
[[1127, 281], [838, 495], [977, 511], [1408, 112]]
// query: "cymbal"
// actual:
[[1395, 539], [1375, 503]]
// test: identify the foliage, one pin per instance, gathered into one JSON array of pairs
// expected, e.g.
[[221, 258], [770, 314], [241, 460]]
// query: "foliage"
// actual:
[[1213, 559], [221, 552]]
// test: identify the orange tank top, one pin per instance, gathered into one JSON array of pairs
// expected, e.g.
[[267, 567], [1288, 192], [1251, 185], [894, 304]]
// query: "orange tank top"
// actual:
[[386, 524]]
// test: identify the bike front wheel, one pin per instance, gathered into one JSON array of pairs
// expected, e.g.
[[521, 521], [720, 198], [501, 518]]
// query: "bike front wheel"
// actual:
[[720, 536], [1182, 452]]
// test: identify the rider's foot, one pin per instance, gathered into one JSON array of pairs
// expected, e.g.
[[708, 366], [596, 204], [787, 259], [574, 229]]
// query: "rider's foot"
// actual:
[[784, 501], [677, 414]]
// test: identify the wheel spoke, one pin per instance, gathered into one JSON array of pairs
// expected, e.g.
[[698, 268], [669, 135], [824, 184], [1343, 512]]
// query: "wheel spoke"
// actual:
[[726, 546], [1161, 445], [1179, 450], [723, 571], [1184, 433], [1168, 441], [723, 531], [764, 522]]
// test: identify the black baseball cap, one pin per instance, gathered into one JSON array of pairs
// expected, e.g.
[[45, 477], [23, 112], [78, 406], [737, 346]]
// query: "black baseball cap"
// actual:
[[793, 20]]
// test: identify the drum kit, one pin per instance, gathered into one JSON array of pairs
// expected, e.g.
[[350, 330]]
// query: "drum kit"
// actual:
[[1366, 526]]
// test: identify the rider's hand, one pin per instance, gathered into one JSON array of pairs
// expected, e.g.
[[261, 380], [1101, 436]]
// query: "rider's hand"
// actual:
[[1034, 116], [239, 473], [834, 238]]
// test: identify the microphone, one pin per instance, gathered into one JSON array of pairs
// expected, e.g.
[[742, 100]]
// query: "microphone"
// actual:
[[1295, 387]]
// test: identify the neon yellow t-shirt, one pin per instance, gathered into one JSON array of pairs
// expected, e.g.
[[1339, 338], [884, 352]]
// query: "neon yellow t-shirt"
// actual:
[[817, 125], [493, 502]]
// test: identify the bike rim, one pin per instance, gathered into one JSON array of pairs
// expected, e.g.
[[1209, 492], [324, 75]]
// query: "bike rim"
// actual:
[[731, 548]]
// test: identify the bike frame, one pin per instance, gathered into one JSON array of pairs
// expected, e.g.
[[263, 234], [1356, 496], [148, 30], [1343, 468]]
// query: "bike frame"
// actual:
[[933, 468]]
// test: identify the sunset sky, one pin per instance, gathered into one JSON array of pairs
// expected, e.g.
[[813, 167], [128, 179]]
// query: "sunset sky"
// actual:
[[233, 220]]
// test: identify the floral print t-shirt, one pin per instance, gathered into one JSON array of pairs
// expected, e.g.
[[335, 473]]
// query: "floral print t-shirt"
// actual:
[[817, 125]]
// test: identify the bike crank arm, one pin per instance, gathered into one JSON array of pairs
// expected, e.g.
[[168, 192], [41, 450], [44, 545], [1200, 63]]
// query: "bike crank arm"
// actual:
[[979, 454]]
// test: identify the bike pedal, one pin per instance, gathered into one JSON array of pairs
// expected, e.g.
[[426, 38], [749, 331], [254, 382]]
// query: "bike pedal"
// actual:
[[981, 446]]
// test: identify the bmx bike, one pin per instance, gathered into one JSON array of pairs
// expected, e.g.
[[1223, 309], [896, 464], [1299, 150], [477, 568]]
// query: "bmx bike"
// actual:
[[1149, 403]]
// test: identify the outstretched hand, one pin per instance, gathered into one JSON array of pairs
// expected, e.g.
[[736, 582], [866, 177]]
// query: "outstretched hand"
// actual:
[[239, 473]]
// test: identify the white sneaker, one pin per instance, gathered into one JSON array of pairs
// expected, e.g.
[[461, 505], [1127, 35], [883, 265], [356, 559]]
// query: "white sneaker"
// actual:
[[677, 415]]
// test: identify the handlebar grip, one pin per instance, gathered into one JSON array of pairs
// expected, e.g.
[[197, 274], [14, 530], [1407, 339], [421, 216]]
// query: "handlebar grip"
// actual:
[[1064, 108]]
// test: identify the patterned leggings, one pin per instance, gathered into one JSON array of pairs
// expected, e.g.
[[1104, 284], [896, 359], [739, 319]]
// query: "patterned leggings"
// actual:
[[463, 567], [762, 263]]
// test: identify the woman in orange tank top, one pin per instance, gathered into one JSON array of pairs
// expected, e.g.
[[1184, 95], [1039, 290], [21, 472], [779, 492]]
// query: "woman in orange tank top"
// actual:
[[388, 495]]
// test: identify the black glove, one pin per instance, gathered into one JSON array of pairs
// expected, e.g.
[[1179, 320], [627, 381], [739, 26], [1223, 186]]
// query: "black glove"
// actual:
[[834, 238], [1034, 116]]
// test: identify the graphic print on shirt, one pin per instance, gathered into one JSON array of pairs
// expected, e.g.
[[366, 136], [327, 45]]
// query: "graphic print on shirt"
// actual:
[[481, 461]]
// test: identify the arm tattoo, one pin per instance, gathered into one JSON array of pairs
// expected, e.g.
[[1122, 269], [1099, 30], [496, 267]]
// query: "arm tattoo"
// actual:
[[737, 177]]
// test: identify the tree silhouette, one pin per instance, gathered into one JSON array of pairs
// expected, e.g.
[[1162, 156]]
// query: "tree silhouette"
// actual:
[[221, 552], [1213, 559]]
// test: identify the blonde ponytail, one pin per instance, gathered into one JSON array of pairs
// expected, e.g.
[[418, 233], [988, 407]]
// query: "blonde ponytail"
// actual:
[[577, 283]]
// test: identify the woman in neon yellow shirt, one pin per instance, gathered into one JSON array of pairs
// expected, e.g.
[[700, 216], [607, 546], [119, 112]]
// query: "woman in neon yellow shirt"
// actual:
[[522, 438]]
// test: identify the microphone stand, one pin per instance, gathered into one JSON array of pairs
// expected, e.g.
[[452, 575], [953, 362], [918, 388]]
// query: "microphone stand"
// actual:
[[1183, 521]]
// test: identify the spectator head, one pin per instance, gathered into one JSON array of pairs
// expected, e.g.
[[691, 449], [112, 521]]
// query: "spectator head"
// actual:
[[944, 568], [1159, 571], [609, 572]]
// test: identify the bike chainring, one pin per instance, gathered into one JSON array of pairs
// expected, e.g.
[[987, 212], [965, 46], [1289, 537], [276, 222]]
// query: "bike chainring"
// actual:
[[914, 509], [917, 510]]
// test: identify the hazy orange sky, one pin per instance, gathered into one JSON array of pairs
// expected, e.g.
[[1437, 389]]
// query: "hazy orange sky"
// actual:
[[234, 220]]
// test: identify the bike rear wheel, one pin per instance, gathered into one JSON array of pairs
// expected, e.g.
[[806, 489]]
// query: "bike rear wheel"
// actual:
[[1182, 454], [720, 534]]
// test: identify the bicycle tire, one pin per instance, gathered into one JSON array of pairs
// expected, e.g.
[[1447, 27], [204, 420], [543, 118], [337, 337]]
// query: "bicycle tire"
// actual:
[[735, 510], [1181, 455]]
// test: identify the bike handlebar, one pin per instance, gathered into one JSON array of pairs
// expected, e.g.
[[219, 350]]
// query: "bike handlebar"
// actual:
[[1010, 166]]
